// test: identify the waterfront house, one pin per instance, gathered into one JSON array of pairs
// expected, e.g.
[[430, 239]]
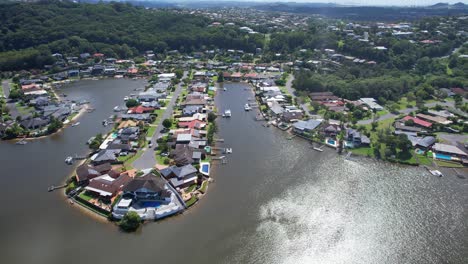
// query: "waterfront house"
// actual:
[[106, 186], [197, 124], [34, 123], [147, 188], [355, 139], [448, 152], [104, 156], [150, 196], [140, 110], [180, 177], [290, 117], [86, 172], [425, 143], [305, 127], [182, 154]]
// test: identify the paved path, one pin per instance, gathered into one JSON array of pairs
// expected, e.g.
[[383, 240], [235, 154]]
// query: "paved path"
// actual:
[[292, 91], [148, 159], [6, 88]]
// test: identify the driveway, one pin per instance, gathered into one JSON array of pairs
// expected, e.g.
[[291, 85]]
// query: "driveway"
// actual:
[[6, 88], [148, 159]]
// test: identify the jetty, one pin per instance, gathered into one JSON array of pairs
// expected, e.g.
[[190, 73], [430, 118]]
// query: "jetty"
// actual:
[[53, 187], [320, 149]]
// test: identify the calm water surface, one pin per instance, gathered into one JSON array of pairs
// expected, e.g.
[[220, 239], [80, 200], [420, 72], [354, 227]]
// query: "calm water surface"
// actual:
[[276, 201]]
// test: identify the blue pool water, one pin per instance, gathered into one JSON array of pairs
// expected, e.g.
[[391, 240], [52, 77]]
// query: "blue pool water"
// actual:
[[331, 142], [150, 204], [442, 156], [205, 168]]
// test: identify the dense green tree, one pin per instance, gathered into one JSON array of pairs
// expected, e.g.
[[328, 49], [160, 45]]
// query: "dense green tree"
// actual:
[[131, 103], [167, 123], [130, 222]]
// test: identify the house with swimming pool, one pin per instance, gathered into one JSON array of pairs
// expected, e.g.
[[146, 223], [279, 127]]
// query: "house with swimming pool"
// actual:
[[449, 152], [150, 196]]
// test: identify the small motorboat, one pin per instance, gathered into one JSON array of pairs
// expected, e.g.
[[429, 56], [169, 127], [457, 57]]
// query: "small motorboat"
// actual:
[[21, 142], [126, 98], [247, 107], [76, 124], [436, 173], [228, 150], [69, 160], [224, 89], [117, 109], [227, 113], [105, 123]]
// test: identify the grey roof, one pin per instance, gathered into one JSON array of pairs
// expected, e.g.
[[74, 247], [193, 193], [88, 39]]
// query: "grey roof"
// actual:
[[149, 181], [426, 141], [179, 172], [310, 124], [448, 149], [105, 155]]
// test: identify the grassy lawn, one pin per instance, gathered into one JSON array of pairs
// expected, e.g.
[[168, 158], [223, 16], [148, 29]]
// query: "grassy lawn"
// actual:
[[204, 186], [363, 151], [85, 196], [423, 160], [448, 164], [382, 112], [24, 110], [191, 188], [151, 131], [70, 117], [132, 158], [160, 159], [192, 201]]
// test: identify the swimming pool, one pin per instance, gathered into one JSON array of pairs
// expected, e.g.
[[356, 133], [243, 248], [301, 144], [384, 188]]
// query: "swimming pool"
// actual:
[[331, 142], [150, 204], [443, 156], [205, 168]]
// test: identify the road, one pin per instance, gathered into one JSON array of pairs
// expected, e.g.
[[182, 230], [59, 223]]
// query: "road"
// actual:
[[292, 91], [148, 159], [6, 88]]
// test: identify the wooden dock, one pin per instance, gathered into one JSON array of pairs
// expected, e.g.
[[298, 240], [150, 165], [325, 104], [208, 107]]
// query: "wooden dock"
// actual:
[[53, 187]]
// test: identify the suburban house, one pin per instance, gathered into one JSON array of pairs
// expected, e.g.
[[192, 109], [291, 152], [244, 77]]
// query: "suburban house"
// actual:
[[355, 139], [150, 196], [86, 172], [107, 186], [305, 127], [180, 177]]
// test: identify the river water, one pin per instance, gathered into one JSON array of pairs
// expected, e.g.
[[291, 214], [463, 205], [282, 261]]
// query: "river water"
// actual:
[[275, 201]]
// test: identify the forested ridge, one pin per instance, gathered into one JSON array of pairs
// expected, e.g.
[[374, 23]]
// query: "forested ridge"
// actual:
[[31, 32]]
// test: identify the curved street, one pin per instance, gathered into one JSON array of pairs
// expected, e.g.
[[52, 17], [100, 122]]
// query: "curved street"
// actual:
[[148, 159]]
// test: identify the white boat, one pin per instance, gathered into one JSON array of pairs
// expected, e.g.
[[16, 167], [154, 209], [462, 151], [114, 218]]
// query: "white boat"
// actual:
[[21, 142], [227, 113], [69, 160], [436, 173], [247, 107], [104, 123], [117, 109], [318, 149], [126, 98], [76, 124], [224, 89], [228, 150]]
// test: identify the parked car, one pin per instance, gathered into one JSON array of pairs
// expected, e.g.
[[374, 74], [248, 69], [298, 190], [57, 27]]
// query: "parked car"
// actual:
[[124, 153]]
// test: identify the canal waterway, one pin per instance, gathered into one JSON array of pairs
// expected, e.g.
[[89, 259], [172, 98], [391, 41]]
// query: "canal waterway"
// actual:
[[275, 201]]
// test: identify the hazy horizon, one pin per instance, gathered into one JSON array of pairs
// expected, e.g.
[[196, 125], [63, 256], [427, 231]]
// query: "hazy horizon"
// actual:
[[342, 2]]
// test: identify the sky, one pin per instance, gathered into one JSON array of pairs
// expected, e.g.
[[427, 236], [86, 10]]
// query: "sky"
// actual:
[[364, 2]]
